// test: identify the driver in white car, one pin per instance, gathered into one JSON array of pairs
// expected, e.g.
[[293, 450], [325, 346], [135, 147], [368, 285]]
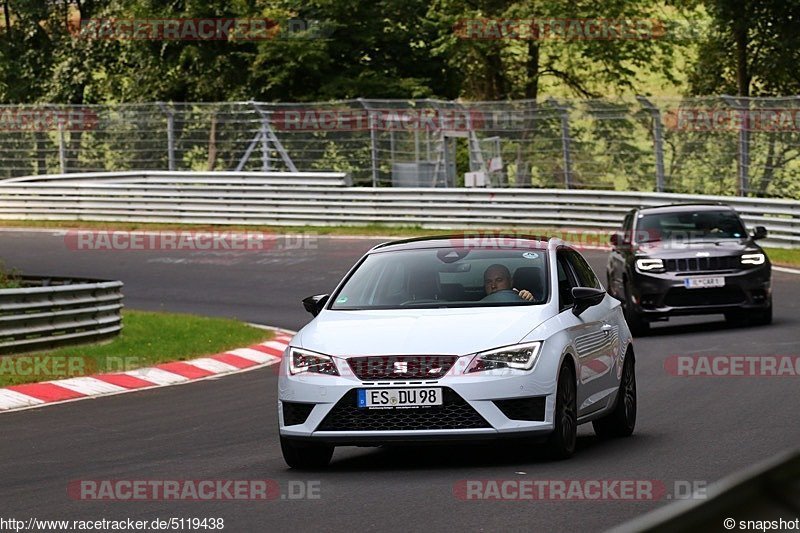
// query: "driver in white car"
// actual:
[[498, 278]]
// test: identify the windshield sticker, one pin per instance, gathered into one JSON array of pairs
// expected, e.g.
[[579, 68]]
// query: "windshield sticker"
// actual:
[[341, 300], [530, 255]]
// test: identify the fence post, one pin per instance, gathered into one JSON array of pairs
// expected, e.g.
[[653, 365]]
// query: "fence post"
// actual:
[[62, 149], [566, 140], [658, 140], [265, 166], [742, 105], [170, 114], [373, 136]]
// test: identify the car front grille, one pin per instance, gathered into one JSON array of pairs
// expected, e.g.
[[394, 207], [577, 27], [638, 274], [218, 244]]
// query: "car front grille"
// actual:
[[401, 366], [682, 297], [296, 412], [702, 264], [454, 413], [531, 409]]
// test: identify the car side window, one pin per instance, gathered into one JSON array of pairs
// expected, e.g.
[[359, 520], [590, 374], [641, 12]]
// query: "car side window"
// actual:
[[583, 271], [566, 281]]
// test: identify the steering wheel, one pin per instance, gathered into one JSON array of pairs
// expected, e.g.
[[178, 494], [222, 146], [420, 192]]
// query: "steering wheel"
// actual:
[[504, 295]]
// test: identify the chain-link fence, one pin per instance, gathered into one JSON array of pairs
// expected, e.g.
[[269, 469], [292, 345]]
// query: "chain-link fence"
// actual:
[[712, 145]]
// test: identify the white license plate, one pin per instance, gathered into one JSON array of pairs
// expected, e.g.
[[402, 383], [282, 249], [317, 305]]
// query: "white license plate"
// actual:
[[703, 283], [388, 398]]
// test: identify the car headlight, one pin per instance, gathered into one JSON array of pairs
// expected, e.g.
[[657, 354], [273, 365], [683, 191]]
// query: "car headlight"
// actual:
[[753, 259], [304, 361], [650, 265], [518, 356]]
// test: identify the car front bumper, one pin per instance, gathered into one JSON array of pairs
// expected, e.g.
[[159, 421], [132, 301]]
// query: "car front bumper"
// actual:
[[471, 410], [663, 295]]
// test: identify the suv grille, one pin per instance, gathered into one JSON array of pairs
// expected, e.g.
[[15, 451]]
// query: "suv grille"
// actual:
[[701, 264], [401, 366], [682, 297], [455, 413], [531, 409]]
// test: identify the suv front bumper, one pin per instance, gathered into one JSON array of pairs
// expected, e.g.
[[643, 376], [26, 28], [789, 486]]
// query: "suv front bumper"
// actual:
[[663, 295]]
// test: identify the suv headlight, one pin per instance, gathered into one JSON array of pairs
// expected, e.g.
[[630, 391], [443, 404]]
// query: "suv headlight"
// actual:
[[650, 265], [304, 361], [753, 259], [517, 356]]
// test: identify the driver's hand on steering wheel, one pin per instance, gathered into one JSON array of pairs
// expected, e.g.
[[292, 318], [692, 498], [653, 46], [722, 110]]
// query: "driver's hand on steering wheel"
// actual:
[[525, 295]]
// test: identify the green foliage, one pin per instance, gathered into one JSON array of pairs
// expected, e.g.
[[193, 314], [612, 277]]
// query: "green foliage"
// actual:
[[769, 40], [9, 279]]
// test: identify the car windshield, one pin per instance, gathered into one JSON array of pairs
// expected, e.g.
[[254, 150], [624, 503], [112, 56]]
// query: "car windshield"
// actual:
[[445, 277], [690, 226]]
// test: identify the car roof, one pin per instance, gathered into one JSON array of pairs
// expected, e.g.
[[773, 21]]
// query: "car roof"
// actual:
[[675, 208], [473, 240]]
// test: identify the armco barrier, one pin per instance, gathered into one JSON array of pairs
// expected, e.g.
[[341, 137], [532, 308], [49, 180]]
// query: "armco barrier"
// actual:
[[48, 312], [297, 199]]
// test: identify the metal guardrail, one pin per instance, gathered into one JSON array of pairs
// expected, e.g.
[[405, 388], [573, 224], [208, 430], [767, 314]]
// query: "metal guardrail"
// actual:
[[297, 179], [767, 491], [50, 311], [234, 198]]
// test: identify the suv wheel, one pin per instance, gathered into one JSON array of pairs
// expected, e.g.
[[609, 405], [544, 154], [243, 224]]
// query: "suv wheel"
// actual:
[[637, 324], [763, 317]]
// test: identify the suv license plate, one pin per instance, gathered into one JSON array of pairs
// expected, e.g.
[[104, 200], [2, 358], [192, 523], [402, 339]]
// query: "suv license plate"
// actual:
[[389, 398], [703, 283]]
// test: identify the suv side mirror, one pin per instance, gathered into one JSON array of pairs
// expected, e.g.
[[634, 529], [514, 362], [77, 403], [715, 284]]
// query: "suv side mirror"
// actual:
[[586, 297], [759, 233], [614, 239], [314, 304]]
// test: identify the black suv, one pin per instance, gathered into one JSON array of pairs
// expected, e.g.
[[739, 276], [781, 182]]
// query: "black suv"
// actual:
[[689, 259]]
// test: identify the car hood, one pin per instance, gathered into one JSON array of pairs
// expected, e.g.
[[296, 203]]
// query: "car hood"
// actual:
[[683, 249], [419, 331]]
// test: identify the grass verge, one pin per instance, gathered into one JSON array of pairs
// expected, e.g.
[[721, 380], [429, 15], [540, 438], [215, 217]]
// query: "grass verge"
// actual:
[[147, 339], [784, 256]]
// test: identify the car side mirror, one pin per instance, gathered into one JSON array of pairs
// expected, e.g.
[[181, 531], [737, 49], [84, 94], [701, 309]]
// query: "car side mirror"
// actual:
[[315, 304], [614, 239], [759, 233], [585, 297]]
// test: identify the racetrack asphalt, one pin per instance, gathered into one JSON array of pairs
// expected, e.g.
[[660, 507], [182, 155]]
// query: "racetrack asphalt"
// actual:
[[689, 429]]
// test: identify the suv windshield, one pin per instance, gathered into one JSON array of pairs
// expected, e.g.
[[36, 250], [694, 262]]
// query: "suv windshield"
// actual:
[[445, 277], [690, 226]]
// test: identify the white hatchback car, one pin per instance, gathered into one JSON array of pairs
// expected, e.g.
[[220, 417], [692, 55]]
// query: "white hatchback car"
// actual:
[[458, 337]]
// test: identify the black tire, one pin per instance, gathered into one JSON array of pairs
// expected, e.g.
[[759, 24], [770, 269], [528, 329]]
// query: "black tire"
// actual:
[[561, 443], [622, 420], [638, 325], [306, 455], [764, 316]]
